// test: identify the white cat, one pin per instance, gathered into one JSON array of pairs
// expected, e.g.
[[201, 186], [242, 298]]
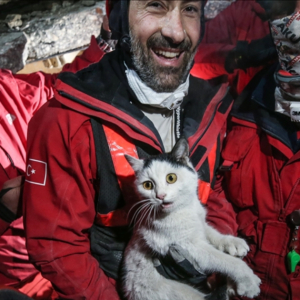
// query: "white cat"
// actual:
[[171, 214]]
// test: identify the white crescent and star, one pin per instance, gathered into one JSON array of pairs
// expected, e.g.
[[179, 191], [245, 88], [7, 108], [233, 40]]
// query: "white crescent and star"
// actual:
[[30, 170]]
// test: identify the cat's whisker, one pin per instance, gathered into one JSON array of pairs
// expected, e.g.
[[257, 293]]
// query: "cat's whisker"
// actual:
[[149, 216], [144, 214], [139, 222], [136, 204], [139, 210], [146, 201], [133, 220]]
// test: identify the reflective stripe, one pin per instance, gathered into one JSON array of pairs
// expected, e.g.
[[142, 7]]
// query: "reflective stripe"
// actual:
[[118, 146], [204, 188]]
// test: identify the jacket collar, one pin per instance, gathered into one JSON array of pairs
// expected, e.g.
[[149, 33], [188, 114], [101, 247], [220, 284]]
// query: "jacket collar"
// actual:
[[256, 104]]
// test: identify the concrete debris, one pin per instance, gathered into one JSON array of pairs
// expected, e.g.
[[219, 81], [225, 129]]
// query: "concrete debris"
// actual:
[[14, 21], [13, 51], [88, 3], [213, 7], [59, 27]]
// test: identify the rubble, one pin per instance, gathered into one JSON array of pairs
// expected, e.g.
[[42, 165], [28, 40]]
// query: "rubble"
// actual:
[[13, 51], [50, 29], [213, 7]]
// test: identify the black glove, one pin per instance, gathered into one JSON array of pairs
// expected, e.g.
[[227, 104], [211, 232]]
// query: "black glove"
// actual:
[[177, 265], [6, 214], [253, 54], [12, 295]]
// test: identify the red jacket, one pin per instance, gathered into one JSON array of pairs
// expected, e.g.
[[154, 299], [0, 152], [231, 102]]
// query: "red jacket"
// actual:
[[21, 96], [240, 21], [260, 188], [60, 193]]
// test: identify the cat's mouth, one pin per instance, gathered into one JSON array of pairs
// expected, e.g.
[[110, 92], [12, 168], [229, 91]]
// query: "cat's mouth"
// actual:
[[166, 205]]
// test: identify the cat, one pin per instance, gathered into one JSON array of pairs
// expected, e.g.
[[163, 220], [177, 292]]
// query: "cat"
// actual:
[[170, 214]]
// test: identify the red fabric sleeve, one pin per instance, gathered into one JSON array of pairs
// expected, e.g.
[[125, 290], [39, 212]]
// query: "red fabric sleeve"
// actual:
[[59, 204], [91, 55], [220, 212]]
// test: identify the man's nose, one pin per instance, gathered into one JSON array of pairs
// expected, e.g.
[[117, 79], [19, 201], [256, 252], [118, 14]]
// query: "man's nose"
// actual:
[[173, 27]]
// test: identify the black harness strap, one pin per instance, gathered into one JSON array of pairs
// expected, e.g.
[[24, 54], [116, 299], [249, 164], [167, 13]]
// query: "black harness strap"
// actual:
[[109, 193], [107, 243]]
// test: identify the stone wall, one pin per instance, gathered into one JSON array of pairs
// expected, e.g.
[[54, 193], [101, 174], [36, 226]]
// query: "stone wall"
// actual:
[[37, 30]]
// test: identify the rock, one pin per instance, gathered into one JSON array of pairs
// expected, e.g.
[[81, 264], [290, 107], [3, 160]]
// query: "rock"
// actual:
[[13, 21], [88, 2], [47, 29], [62, 32], [67, 3], [213, 7], [13, 51]]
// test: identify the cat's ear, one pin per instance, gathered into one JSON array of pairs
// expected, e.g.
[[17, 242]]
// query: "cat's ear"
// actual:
[[136, 164], [181, 150]]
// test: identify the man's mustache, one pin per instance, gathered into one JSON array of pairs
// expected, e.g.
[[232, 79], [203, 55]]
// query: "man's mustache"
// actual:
[[162, 42]]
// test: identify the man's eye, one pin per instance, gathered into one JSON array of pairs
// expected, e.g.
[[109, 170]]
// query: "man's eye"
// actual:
[[155, 4], [192, 9]]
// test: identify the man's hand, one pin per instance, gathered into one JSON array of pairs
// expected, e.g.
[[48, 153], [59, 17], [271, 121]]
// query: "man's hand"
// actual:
[[177, 265]]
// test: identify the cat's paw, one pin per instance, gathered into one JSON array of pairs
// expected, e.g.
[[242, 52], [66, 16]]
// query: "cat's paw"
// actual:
[[233, 246], [248, 286]]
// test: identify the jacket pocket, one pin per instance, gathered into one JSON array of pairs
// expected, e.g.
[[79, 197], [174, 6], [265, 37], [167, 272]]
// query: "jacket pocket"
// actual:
[[239, 179]]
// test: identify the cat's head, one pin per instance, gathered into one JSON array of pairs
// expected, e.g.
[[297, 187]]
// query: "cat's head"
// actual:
[[167, 181]]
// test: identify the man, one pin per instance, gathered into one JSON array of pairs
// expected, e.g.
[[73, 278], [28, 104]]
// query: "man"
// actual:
[[257, 195], [138, 100]]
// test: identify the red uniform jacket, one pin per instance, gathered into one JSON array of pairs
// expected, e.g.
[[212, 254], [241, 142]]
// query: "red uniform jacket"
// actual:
[[260, 188]]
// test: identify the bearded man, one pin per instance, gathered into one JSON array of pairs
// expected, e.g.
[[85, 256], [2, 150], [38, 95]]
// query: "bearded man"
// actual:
[[138, 100]]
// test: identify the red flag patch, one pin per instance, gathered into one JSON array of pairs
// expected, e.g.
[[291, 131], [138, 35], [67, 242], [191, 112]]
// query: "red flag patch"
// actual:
[[36, 172]]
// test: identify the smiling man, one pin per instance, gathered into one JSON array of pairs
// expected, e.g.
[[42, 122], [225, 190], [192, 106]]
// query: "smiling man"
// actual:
[[138, 100]]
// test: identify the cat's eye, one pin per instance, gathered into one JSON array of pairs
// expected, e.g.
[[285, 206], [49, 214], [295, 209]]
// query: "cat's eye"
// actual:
[[171, 178], [148, 185]]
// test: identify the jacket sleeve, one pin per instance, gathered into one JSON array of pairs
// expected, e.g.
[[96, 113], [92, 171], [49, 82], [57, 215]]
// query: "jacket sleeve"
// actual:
[[59, 204], [220, 212], [92, 54]]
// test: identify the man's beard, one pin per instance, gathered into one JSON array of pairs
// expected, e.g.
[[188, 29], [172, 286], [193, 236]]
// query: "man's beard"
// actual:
[[161, 79]]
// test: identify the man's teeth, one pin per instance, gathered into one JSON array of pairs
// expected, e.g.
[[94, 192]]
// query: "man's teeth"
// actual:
[[167, 54]]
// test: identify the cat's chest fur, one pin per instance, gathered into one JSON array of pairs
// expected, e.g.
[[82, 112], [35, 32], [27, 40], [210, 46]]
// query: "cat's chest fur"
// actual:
[[179, 227]]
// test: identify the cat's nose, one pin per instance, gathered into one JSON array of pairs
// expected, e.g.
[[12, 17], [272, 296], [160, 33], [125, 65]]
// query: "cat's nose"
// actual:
[[161, 196]]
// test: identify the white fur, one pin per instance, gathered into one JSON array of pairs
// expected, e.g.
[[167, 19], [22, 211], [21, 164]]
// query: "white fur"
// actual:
[[181, 224]]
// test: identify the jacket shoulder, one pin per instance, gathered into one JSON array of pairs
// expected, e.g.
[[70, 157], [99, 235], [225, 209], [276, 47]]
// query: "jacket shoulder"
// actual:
[[55, 117]]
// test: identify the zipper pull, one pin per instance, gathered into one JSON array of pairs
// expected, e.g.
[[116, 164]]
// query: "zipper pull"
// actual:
[[293, 258]]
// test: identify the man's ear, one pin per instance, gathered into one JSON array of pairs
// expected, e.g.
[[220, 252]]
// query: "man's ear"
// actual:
[[136, 164]]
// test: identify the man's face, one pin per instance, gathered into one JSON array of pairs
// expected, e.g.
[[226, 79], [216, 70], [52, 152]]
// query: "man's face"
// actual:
[[164, 39]]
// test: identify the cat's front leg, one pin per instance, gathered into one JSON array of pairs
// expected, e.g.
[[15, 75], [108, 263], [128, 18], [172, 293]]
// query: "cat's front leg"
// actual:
[[205, 258], [226, 243]]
